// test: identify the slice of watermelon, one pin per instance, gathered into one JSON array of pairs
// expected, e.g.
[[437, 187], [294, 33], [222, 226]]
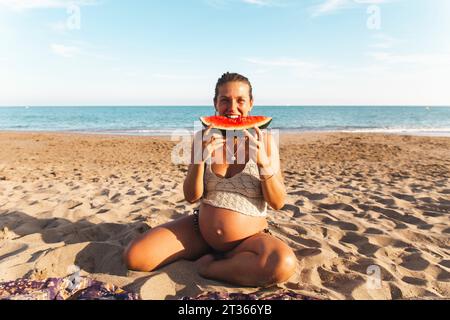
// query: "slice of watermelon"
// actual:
[[239, 123]]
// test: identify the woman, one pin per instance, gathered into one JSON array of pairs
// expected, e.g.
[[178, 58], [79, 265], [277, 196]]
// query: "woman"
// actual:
[[228, 234]]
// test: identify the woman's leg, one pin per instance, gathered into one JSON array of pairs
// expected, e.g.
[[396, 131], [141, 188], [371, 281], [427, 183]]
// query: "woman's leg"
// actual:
[[165, 244], [258, 261]]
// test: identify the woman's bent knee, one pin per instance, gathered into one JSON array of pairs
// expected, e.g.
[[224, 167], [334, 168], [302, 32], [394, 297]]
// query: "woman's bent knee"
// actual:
[[134, 259], [139, 255], [281, 265], [164, 244]]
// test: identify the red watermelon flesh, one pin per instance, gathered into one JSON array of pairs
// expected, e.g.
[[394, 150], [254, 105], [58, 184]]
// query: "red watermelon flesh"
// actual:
[[239, 123]]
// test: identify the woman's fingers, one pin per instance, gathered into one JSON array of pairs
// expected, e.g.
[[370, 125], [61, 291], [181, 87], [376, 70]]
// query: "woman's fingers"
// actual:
[[262, 135], [253, 152], [217, 136], [251, 137], [216, 140], [208, 130], [213, 149], [259, 133], [209, 135], [214, 145]]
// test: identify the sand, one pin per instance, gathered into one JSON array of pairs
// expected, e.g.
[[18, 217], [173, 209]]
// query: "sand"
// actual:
[[356, 202]]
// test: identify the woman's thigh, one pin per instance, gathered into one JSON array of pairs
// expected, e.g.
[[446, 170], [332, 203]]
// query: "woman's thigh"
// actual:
[[166, 243]]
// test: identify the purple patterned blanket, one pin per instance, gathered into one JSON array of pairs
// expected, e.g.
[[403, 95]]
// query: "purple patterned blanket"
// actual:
[[82, 288], [283, 295], [62, 289]]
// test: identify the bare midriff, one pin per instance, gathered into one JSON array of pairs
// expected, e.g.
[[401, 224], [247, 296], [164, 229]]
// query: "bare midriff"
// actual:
[[224, 229]]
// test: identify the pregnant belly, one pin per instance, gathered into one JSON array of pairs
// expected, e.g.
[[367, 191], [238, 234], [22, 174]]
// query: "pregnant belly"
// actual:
[[224, 229]]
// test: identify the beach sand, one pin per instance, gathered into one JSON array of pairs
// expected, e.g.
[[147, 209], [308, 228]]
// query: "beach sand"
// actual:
[[355, 202]]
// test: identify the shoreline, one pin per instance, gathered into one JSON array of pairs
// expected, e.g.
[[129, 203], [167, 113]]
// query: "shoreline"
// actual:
[[431, 134]]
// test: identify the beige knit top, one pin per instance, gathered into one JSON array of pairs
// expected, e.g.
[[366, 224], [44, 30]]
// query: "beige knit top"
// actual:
[[241, 193]]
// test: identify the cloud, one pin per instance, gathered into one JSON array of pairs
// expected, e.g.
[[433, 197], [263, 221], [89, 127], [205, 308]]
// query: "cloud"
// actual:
[[329, 6], [282, 62], [432, 59], [383, 41], [300, 69], [177, 76], [388, 78], [65, 51], [333, 6], [20, 5], [79, 49], [59, 26], [257, 3]]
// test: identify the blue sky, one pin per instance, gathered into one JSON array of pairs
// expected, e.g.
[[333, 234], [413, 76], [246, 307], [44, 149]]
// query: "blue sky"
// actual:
[[171, 52]]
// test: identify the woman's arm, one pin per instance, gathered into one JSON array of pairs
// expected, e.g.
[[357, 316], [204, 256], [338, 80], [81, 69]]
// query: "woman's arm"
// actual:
[[266, 154], [272, 181], [274, 192], [193, 184]]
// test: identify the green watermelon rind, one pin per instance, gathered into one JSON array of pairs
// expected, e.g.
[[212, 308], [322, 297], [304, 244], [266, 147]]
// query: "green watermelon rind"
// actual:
[[263, 124]]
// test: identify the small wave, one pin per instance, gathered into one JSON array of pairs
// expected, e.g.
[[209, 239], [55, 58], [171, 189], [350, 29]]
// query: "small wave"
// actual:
[[445, 132], [419, 131], [142, 132]]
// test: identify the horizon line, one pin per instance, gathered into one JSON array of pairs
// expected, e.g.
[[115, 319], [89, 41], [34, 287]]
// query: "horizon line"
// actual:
[[201, 106]]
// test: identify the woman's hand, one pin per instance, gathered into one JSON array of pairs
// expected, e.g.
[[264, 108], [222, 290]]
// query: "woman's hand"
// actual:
[[205, 143], [260, 148]]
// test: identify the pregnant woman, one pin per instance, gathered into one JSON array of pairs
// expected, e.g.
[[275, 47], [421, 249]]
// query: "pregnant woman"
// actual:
[[228, 234]]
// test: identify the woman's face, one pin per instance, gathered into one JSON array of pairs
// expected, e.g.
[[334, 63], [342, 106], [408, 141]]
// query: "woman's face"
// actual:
[[234, 99]]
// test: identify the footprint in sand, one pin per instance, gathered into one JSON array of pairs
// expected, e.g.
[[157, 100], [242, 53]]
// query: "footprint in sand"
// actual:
[[414, 262], [373, 231], [140, 199], [310, 196], [115, 198], [72, 204], [362, 243], [307, 252], [131, 192], [385, 201], [427, 200], [346, 226], [363, 264], [434, 210], [394, 215], [337, 206], [308, 242], [405, 197], [294, 209], [415, 281], [396, 293], [443, 276], [342, 283], [11, 249]]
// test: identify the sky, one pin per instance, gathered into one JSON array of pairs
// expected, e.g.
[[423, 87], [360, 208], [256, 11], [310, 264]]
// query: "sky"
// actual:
[[171, 52]]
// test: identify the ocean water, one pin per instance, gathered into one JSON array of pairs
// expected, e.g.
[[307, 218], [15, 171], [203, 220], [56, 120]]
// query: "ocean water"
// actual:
[[164, 120]]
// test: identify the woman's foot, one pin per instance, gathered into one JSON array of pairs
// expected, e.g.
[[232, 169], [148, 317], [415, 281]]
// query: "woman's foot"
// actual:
[[203, 263]]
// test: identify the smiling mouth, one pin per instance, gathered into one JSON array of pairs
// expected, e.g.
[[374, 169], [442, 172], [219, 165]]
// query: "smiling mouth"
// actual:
[[232, 116]]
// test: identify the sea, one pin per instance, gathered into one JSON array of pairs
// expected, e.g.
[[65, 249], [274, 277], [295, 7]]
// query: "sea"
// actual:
[[165, 120]]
